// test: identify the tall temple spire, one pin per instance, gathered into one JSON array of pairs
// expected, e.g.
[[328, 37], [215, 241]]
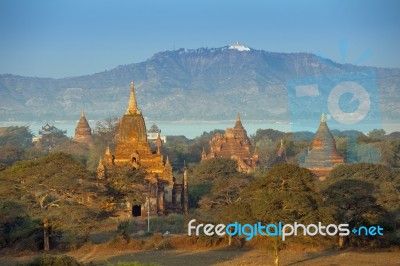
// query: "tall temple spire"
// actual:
[[238, 123], [238, 117], [158, 143], [132, 106]]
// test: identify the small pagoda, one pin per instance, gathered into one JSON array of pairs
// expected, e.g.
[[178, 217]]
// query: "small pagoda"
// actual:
[[83, 132]]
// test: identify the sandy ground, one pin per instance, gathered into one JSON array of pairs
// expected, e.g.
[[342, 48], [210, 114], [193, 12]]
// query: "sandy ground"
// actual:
[[223, 257], [250, 257]]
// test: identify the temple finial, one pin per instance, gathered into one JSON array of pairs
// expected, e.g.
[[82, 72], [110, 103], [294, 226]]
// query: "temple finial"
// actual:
[[158, 143], [108, 151], [238, 117], [132, 106], [323, 118], [83, 114]]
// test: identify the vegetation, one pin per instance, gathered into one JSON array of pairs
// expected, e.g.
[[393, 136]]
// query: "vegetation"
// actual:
[[284, 194], [217, 184], [15, 145], [365, 194], [39, 184], [54, 188], [47, 260], [105, 134]]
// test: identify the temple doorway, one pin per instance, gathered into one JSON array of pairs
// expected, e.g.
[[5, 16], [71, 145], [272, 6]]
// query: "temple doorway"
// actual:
[[137, 210]]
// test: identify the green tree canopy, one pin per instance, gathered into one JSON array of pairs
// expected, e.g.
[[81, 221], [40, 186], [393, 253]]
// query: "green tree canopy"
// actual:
[[56, 188], [14, 143], [286, 193], [364, 194], [15, 136], [377, 134], [216, 183]]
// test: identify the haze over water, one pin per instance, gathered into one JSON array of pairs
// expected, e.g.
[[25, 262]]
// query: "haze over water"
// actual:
[[194, 129]]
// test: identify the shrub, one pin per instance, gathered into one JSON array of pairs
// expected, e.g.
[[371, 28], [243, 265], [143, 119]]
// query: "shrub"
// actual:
[[74, 238], [17, 229], [173, 223], [126, 228], [135, 263], [48, 260]]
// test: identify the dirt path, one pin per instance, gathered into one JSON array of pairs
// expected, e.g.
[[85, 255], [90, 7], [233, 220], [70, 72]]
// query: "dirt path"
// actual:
[[226, 256], [221, 257]]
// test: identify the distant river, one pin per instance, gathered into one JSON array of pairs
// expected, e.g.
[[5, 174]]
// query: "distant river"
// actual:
[[173, 128], [192, 129]]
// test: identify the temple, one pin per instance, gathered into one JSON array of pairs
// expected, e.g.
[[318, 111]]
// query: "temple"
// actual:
[[83, 132], [323, 155], [154, 133], [47, 130], [133, 152], [48, 137], [234, 144]]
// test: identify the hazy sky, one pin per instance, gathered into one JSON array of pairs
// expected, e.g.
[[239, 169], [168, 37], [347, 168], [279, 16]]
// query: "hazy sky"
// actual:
[[54, 38]]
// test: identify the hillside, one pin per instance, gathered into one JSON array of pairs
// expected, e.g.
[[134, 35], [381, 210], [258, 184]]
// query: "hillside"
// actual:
[[200, 84]]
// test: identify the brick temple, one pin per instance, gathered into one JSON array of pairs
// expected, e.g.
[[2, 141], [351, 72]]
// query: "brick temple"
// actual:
[[133, 151], [323, 155], [83, 132], [234, 144]]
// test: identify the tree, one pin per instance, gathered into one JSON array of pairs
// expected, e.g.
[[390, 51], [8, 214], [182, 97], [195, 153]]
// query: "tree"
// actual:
[[14, 142], [16, 226], [390, 153], [377, 134], [177, 150], [224, 190], [105, 134], [16, 136], [367, 153], [54, 188], [126, 185], [285, 194], [267, 134], [205, 174], [216, 185], [212, 169], [363, 194]]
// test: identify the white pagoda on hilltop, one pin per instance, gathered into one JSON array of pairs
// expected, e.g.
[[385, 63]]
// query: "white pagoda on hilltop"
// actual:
[[238, 46]]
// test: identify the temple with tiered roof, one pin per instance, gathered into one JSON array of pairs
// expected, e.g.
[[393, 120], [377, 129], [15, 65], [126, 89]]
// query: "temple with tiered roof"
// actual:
[[234, 144], [323, 155], [132, 150]]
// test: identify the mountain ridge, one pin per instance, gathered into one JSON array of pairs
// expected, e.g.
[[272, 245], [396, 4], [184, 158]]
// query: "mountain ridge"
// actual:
[[188, 84]]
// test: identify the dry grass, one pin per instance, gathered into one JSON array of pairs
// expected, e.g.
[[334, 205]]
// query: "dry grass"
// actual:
[[183, 250], [226, 256]]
